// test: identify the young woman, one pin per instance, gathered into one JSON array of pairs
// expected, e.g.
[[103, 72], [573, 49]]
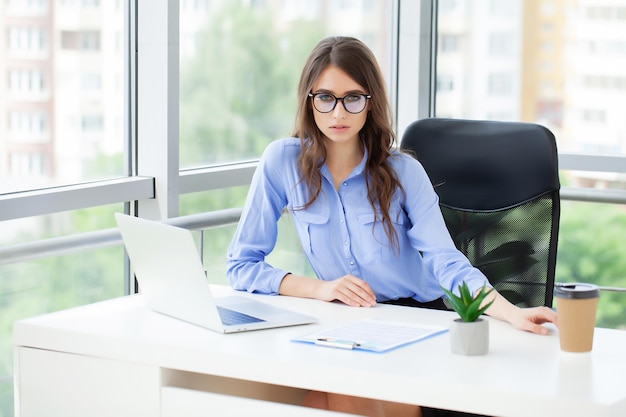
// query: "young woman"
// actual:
[[366, 214]]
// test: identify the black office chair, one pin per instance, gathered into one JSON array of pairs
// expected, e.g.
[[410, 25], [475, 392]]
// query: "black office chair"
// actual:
[[498, 187]]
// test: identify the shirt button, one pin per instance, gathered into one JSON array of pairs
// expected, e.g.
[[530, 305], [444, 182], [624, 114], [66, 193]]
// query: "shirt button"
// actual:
[[351, 262], [345, 183], [345, 243], [341, 221]]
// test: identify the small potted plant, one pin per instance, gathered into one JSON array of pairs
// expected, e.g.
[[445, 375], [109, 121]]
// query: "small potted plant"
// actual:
[[469, 334]]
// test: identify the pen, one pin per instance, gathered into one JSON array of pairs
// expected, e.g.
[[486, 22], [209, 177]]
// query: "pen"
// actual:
[[342, 344]]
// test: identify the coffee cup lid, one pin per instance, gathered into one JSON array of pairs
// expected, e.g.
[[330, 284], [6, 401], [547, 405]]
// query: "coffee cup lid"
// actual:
[[576, 290]]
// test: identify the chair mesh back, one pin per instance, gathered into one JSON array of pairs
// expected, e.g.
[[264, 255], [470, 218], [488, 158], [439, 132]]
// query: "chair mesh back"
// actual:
[[498, 187], [512, 247]]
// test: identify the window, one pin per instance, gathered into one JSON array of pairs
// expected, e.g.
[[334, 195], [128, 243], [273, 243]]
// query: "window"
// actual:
[[448, 43], [26, 39], [543, 77], [26, 125], [251, 92], [445, 83], [86, 40], [27, 7], [90, 3], [26, 164], [40, 147], [92, 123], [26, 81], [55, 98]]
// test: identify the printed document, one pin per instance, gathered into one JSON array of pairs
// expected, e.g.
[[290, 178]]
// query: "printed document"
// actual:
[[372, 335]]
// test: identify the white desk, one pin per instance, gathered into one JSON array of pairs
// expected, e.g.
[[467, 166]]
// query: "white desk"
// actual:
[[116, 358]]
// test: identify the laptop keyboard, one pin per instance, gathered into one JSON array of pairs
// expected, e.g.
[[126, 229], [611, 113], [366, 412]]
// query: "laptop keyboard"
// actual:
[[230, 317]]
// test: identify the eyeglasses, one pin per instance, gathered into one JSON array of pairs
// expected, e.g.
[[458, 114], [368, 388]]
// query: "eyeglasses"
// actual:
[[326, 102]]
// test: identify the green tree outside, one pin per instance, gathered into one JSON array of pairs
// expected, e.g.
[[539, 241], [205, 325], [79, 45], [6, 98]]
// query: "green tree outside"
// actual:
[[239, 92], [592, 249]]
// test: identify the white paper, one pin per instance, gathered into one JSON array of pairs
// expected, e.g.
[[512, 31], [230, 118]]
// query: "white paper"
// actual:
[[374, 335]]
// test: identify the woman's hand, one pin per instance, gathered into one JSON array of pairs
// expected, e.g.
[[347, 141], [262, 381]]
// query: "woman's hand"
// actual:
[[531, 319], [349, 290]]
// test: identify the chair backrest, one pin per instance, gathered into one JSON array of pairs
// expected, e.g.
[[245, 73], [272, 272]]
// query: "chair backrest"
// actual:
[[498, 188]]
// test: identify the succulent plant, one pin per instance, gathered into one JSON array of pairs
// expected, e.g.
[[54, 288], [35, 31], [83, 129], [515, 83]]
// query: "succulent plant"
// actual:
[[467, 307]]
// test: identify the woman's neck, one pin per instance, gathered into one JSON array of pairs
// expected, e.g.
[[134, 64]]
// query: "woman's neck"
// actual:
[[342, 158]]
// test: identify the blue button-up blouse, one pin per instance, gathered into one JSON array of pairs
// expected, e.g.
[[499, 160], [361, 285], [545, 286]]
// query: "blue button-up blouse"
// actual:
[[339, 235]]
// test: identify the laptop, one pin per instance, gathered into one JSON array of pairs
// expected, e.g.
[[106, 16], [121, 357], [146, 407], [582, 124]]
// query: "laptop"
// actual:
[[172, 279]]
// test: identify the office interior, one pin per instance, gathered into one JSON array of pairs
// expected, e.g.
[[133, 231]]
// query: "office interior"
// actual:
[[162, 109]]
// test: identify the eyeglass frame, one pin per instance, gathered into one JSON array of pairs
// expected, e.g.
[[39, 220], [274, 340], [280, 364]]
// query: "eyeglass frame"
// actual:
[[338, 99]]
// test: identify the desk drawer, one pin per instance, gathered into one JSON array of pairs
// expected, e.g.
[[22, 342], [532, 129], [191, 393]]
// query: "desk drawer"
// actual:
[[50, 383], [181, 402]]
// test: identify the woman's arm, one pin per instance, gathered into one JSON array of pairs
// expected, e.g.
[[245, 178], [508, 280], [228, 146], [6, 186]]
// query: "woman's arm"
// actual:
[[257, 230], [347, 289], [527, 319]]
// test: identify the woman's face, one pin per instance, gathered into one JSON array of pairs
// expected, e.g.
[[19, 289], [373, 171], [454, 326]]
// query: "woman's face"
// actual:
[[339, 125]]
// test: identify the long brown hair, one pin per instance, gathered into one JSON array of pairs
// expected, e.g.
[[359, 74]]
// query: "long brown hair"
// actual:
[[357, 60]]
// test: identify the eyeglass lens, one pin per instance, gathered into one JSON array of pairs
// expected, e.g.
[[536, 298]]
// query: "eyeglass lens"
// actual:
[[353, 103]]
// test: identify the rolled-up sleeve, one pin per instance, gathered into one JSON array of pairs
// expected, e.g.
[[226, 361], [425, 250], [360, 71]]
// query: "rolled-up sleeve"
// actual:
[[257, 230]]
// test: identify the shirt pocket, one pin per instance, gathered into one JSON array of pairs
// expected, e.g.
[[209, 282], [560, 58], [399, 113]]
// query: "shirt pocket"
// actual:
[[312, 228], [374, 244]]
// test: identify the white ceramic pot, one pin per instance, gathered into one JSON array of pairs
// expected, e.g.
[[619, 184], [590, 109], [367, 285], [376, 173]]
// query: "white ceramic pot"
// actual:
[[469, 338]]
